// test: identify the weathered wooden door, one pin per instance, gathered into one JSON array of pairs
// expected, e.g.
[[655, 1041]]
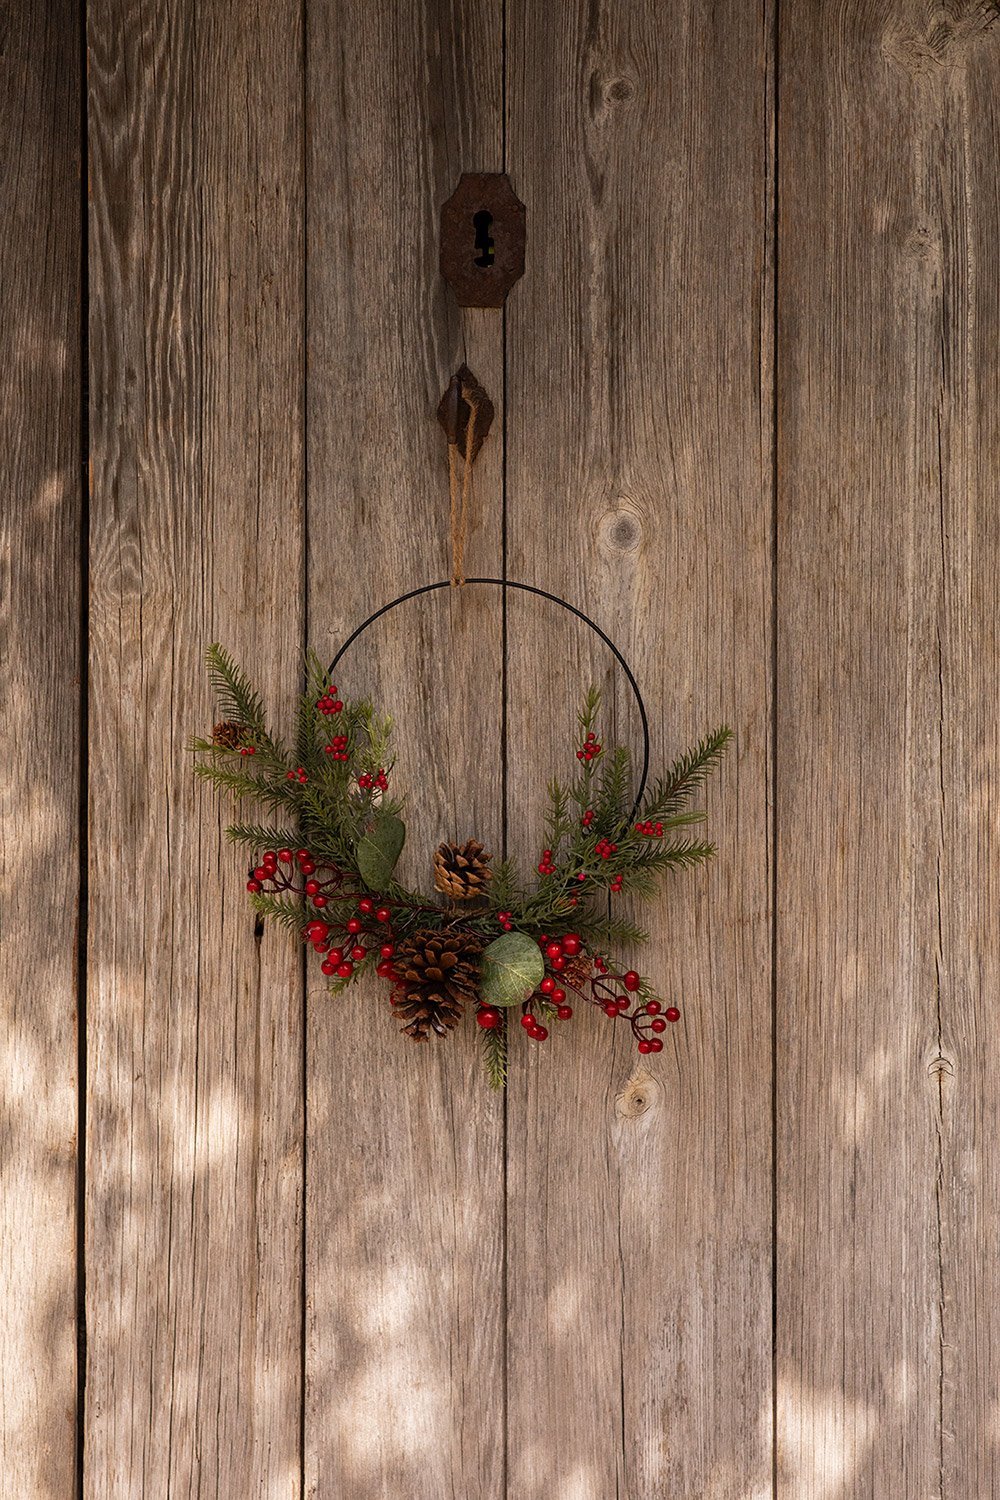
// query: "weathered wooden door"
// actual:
[[747, 395]]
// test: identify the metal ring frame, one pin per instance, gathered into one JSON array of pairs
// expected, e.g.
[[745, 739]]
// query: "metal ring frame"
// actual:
[[525, 588]]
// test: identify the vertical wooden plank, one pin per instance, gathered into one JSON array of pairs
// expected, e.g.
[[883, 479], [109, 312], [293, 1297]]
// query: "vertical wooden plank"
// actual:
[[39, 801], [639, 469], [405, 1180], [194, 1070], [887, 750]]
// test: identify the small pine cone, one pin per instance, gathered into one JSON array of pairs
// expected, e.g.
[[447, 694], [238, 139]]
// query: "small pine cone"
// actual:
[[230, 734], [462, 871], [578, 970], [438, 972]]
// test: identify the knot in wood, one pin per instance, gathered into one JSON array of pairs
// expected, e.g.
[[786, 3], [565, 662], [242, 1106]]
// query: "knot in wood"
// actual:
[[640, 1094]]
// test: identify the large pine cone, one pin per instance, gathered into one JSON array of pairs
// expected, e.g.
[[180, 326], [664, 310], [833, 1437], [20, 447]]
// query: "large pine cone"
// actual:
[[230, 734], [462, 871], [438, 972]]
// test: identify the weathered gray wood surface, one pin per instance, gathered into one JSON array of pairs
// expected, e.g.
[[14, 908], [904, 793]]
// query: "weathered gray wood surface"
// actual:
[[41, 509], [405, 1168], [889, 317], [320, 1261], [194, 1075], [639, 454]]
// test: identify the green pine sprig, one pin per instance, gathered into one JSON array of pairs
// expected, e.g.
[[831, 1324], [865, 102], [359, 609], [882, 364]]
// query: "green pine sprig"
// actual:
[[494, 1054]]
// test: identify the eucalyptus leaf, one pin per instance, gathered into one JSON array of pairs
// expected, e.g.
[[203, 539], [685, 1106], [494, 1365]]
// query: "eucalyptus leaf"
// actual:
[[512, 968], [379, 847]]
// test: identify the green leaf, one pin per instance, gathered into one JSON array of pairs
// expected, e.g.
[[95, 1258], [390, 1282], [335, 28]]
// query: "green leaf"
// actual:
[[512, 968], [379, 847]]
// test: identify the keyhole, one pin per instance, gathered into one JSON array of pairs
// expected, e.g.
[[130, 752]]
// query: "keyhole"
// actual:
[[484, 240]]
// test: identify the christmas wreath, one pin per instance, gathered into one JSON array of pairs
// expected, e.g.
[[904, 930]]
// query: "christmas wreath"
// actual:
[[485, 942]]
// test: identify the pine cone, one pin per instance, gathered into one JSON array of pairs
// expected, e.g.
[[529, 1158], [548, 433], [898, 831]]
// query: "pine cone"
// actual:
[[462, 871], [578, 970], [230, 734], [438, 972]]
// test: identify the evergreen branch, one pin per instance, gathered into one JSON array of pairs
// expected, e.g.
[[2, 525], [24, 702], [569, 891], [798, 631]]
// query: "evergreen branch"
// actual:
[[612, 801], [610, 932], [504, 888], [239, 784], [234, 691], [494, 1045], [686, 775], [284, 909], [557, 822], [684, 853], [256, 836]]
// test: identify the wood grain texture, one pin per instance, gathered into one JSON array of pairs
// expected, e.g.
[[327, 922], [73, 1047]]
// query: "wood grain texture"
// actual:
[[639, 488], [405, 1172], [193, 1163], [887, 750], [40, 696]]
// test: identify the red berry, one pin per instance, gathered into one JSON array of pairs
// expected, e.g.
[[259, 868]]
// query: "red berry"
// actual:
[[260, 873], [301, 854], [610, 1009], [652, 1007], [527, 1020], [571, 944], [312, 886], [328, 967], [558, 963], [253, 885], [386, 950], [658, 1025], [336, 956], [553, 949], [631, 980], [538, 1033], [319, 901], [345, 970], [359, 953], [488, 1017], [383, 914], [564, 1012], [355, 925], [656, 1045], [558, 996], [307, 867], [547, 985], [645, 1046], [285, 855], [386, 970], [672, 1013], [366, 905], [317, 929]]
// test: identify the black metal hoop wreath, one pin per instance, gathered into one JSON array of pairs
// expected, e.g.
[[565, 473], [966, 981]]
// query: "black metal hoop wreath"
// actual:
[[525, 588]]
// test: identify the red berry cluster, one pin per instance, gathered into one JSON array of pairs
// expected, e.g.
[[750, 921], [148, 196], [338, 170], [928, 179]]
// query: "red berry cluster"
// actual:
[[337, 747], [616, 884], [504, 918], [546, 867], [344, 947], [368, 780], [650, 829], [590, 749], [330, 703], [297, 775], [248, 750], [587, 818], [605, 848], [267, 872], [557, 951]]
